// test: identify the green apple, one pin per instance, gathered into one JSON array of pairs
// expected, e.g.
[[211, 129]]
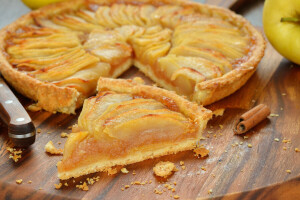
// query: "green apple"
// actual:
[[34, 4], [281, 21]]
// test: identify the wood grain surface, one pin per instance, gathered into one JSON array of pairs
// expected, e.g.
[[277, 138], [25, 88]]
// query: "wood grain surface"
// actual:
[[232, 170]]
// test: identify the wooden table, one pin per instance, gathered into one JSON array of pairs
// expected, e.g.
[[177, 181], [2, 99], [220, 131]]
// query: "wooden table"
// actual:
[[233, 170]]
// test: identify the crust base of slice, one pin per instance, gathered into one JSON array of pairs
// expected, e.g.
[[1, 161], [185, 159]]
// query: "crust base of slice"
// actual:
[[133, 157]]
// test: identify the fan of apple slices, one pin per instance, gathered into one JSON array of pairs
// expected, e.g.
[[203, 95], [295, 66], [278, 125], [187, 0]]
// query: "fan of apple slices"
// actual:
[[202, 52]]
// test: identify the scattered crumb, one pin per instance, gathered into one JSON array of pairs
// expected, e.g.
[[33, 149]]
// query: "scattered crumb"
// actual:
[[64, 135], [286, 141], [124, 170], [241, 143], [181, 163], [273, 115], [69, 127], [29, 182], [58, 186], [138, 80], [209, 191], [48, 132], [173, 190], [83, 187], [218, 112], [203, 168], [276, 139], [50, 148], [34, 108], [176, 197], [221, 126], [40, 188], [297, 150], [284, 148], [156, 191], [38, 130], [213, 175], [15, 154], [281, 108], [288, 171], [122, 189], [112, 170], [19, 181], [246, 137], [164, 169], [283, 94], [150, 182], [175, 183], [183, 167], [202, 152], [59, 143], [133, 172], [66, 184], [250, 145], [127, 186]]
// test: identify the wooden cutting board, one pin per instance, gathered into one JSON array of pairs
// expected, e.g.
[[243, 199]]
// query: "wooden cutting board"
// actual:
[[232, 170]]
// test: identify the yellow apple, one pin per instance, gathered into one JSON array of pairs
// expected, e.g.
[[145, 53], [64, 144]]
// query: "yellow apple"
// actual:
[[34, 4], [281, 21]]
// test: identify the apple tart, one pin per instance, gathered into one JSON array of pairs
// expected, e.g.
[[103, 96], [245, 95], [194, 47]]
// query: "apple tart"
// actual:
[[128, 122], [55, 55]]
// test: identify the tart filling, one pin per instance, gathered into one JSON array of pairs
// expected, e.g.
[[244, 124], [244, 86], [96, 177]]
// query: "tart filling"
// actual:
[[129, 122]]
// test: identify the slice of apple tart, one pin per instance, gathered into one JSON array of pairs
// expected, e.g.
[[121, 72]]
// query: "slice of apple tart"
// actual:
[[128, 122]]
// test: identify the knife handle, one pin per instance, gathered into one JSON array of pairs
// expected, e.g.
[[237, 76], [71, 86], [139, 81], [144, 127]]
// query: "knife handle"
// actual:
[[20, 127]]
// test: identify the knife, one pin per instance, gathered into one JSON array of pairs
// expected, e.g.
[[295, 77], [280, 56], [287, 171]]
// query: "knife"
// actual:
[[21, 130]]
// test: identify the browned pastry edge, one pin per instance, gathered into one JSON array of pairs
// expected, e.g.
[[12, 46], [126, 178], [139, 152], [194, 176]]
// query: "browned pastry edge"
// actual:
[[66, 100]]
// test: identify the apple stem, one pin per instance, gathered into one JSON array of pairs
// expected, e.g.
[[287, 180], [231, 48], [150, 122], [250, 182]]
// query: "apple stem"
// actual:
[[290, 19]]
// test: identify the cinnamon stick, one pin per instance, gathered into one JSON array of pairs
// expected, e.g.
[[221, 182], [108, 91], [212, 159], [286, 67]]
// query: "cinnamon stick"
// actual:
[[251, 118]]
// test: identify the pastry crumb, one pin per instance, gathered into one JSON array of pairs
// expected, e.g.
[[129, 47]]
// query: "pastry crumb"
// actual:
[[64, 135], [274, 115], [19, 181], [246, 137], [66, 184], [176, 197], [181, 163], [164, 169], [127, 186], [209, 191], [15, 154], [288, 171], [83, 187], [50, 148], [58, 186], [138, 80], [203, 168], [201, 151], [221, 126], [124, 170], [38, 130], [297, 150], [218, 112], [156, 191], [29, 182], [276, 139], [286, 141], [34, 108], [183, 167], [133, 172], [122, 189], [250, 145], [112, 170]]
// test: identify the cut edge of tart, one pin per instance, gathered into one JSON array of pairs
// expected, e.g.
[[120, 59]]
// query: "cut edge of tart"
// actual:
[[63, 97], [128, 122]]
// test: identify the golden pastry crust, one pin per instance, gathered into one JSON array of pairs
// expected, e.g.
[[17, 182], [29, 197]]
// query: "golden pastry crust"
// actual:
[[198, 115], [66, 99]]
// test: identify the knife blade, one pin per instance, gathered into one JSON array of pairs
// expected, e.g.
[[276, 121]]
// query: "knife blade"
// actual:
[[21, 130]]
